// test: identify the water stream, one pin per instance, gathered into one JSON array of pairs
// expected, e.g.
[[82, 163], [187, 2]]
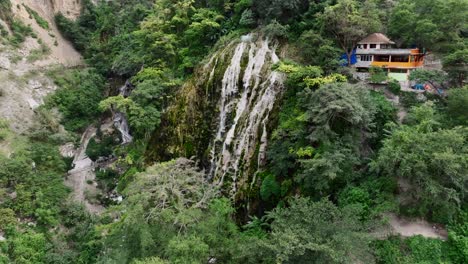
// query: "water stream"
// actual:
[[120, 120]]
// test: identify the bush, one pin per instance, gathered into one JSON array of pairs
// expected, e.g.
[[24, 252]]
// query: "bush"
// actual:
[[270, 188], [39, 20], [394, 87], [276, 30], [102, 148], [20, 32], [377, 75], [71, 31], [78, 97]]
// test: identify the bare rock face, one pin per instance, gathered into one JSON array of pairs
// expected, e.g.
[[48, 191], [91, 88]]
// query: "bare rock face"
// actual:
[[25, 83], [68, 150], [61, 50], [5, 63], [48, 8]]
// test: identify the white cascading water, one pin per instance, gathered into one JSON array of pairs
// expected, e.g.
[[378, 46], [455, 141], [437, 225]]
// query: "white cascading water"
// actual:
[[120, 120], [244, 110]]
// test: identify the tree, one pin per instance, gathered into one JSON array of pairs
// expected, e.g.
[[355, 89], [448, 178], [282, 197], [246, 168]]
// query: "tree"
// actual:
[[163, 206], [456, 106], [78, 97], [435, 77], [349, 23], [338, 109], [280, 10], [377, 75], [433, 160], [442, 30], [456, 64], [317, 232], [317, 50]]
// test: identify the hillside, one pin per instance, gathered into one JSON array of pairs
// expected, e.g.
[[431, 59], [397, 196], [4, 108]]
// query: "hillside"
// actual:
[[233, 131]]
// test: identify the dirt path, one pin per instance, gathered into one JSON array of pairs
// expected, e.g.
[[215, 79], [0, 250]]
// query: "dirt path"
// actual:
[[82, 172], [412, 227]]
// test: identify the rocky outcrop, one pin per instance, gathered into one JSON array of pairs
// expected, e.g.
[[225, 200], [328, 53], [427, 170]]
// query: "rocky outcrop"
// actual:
[[221, 116]]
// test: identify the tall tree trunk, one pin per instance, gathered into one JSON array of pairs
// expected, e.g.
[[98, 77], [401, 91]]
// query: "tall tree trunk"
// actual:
[[348, 55]]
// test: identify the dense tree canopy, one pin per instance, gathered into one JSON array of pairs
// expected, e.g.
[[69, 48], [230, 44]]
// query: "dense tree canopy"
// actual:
[[335, 158]]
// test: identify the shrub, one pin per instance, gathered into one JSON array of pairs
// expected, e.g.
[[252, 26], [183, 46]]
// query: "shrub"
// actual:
[[270, 188], [377, 75], [78, 97], [276, 30], [394, 87], [99, 149], [39, 20]]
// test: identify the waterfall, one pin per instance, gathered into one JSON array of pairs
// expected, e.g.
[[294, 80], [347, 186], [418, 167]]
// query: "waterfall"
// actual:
[[120, 120], [248, 94]]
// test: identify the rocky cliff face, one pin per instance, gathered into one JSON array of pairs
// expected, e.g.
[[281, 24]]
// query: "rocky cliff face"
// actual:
[[23, 67], [221, 115]]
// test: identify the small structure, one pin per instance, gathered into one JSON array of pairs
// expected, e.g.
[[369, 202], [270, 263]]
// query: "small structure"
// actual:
[[377, 50]]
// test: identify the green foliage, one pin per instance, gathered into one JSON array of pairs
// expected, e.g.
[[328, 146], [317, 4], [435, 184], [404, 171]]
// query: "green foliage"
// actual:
[[394, 86], [377, 75], [71, 31], [247, 18], [385, 113], [284, 11], [39, 53], [77, 98], [456, 106], [144, 106], [316, 232], [7, 218], [435, 77], [333, 120], [339, 109], [275, 30], [432, 159], [349, 22], [39, 20], [103, 148], [5, 11], [458, 239], [456, 64], [270, 188], [317, 50], [436, 25], [416, 249], [28, 248], [20, 32], [170, 212]]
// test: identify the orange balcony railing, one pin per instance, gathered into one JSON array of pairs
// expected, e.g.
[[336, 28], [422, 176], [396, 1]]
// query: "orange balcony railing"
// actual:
[[387, 64]]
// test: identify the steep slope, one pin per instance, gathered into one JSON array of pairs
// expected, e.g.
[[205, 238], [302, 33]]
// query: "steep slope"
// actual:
[[23, 67], [222, 115], [61, 50]]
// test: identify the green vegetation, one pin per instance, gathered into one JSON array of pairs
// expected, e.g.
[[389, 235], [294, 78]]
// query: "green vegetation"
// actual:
[[39, 53], [337, 160], [20, 32], [78, 97], [39, 20]]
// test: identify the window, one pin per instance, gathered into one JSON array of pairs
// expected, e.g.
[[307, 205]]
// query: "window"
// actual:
[[365, 58], [382, 58], [364, 46], [373, 46], [400, 58]]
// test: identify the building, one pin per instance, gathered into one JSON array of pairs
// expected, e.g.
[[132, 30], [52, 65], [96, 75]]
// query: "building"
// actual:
[[377, 50]]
